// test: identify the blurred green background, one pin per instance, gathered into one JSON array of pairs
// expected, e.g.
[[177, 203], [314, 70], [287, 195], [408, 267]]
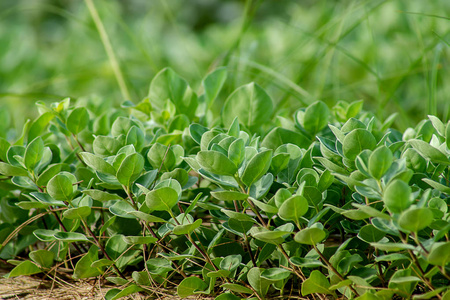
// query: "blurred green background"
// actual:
[[392, 54]]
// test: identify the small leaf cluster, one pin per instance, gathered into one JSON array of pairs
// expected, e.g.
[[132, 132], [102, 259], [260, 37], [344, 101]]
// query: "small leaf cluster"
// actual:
[[235, 204]]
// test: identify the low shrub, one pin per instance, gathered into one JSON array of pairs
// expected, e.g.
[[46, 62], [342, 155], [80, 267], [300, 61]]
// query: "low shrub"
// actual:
[[331, 203]]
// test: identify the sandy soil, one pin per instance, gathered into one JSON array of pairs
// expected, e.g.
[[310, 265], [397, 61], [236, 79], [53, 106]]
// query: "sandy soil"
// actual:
[[35, 287]]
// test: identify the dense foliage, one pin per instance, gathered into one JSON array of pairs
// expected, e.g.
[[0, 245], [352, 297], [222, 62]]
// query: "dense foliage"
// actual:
[[328, 203]]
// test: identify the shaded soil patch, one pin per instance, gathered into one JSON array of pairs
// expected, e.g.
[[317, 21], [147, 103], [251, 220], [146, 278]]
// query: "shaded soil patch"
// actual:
[[34, 288]]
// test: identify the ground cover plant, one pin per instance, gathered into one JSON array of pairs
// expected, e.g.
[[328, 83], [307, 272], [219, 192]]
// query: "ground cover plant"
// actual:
[[328, 203]]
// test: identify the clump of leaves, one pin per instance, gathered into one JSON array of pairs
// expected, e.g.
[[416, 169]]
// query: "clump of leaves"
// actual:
[[331, 204]]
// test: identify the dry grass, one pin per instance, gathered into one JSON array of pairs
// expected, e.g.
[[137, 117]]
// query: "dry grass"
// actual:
[[33, 288]]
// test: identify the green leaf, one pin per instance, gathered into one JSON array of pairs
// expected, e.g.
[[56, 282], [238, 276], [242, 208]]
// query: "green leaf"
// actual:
[[70, 237], [97, 163], [355, 214], [231, 262], [260, 188], [51, 171], [447, 142], [101, 195], [306, 262], [439, 254], [275, 274], [122, 209], [106, 145], [257, 167], [370, 234], [329, 165], [28, 205], [281, 196], [370, 211], [46, 199], [9, 170], [142, 278], [77, 120], [392, 247], [196, 131], [227, 296], [24, 268], [130, 169], [102, 124], [316, 283], [189, 286], [159, 266], [315, 117], [430, 152], [279, 162], [396, 196], [356, 141], [240, 226], [159, 155], [161, 199], [216, 163], [104, 262], [115, 247], [403, 281], [33, 153], [237, 288], [129, 290], [83, 267], [44, 235], [380, 161], [416, 219], [187, 228], [273, 237], [15, 155], [229, 195], [392, 257], [146, 217], [250, 103], [237, 215], [438, 186], [43, 258], [325, 181], [293, 208], [236, 151], [268, 208], [122, 126], [77, 212], [432, 294], [135, 137], [138, 240], [310, 236], [213, 83], [260, 284], [280, 136], [219, 273], [168, 85], [4, 146], [60, 187], [39, 125]]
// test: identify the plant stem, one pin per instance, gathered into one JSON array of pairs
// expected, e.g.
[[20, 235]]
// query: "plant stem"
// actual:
[[247, 243], [330, 266], [416, 239], [78, 142], [253, 208], [109, 49], [65, 229], [421, 273], [102, 248]]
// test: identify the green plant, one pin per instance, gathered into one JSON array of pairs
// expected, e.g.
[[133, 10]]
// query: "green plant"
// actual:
[[332, 203]]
